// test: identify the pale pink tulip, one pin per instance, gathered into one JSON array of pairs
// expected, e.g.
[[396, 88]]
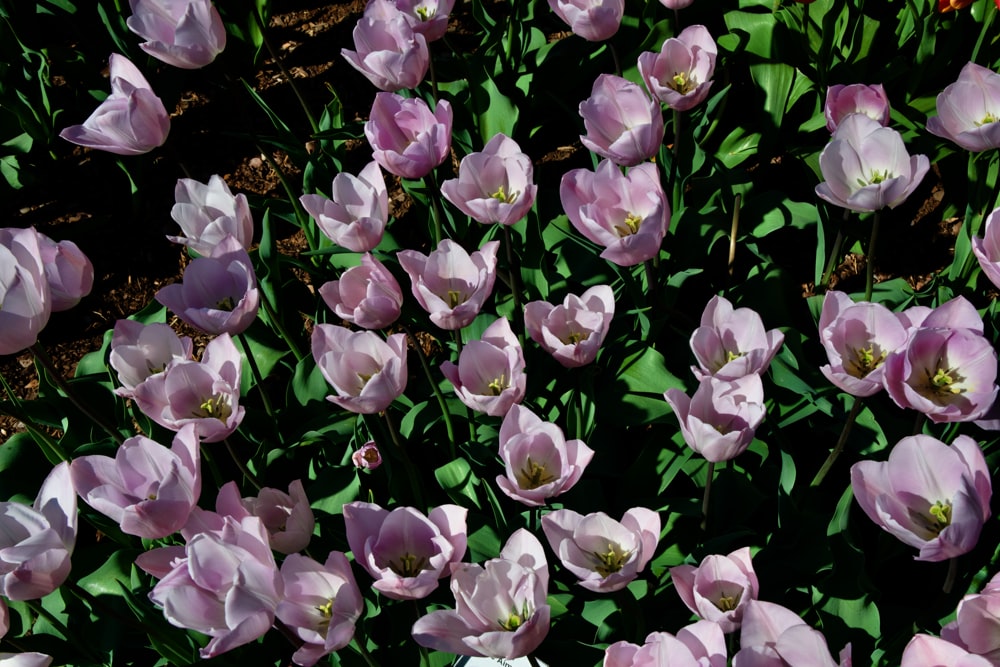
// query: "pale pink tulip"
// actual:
[[406, 138], [976, 627], [732, 343], [389, 52], [428, 17], [287, 516], [842, 101], [368, 457], [928, 651], [367, 372], [701, 644], [208, 212], [140, 350], [969, 110], [773, 636], [366, 295], [358, 209], [25, 294], [680, 75], [489, 376], [987, 249], [494, 185], [594, 20], [572, 332], [183, 33], [623, 124], [719, 589], [68, 271], [720, 420]]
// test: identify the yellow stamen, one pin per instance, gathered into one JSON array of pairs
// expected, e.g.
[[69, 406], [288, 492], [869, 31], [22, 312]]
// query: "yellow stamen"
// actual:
[[497, 386], [216, 407], [612, 561], [987, 119], [454, 298], [728, 602], [864, 361], [505, 198], [533, 475], [226, 304], [514, 619], [631, 226], [682, 82], [408, 565]]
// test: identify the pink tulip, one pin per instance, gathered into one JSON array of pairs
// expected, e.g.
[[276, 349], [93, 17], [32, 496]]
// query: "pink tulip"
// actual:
[[131, 121], [208, 212], [147, 489], [204, 393], [540, 463], [321, 605], [494, 185], [428, 17], [866, 166], [627, 214], [720, 420], [842, 101], [976, 628], [356, 215], [406, 138], [623, 124], [287, 516], [572, 332], [140, 350], [732, 343], [368, 457], [389, 53], [68, 271], [367, 372], [987, 249], [605, 555], [489, 376], [405, 551], [719, 589], [225, 585], [594, 20], [680, 75], [36, 542], [25, 294], [773, 636], [928, 651], [501, 610], [700, 644], [969, 110], [676, 4], [366, 295], [451, 284], [929, 495], [187, 34]]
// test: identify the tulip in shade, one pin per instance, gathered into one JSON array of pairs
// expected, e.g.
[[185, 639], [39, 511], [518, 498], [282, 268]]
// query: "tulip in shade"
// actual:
[[320, 606], [208, 212], [540, 463], [451, 284], [37, 541], [147, 489], [842, 101], [405, 551], [500, 606], [204, 393], [494, 185], [969, 109], [225, 585], [604, 554], [976, 627], [368, 457], [680, 75], [25, 294], [406, 138], [572, 332], [389, 52], [623, 124], [185, 33], [773, 636], [68, 271], [131, 121], [287, 516], [489, 376], [367, 372], [628, 214], [731, 343], [930, 495], [719, 589], [366, 295], [928, 651], [700, 644], [140, 350], [857, 338], [594, 20], [356, 215], [720, 420], [987, 249]]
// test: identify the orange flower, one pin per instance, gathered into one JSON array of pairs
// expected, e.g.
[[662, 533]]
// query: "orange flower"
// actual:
[[949, 5]]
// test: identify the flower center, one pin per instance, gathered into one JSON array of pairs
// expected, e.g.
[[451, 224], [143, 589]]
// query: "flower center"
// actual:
[[941, 511], [227, 304], [728, 602], [864, 361], [987, 119], [682, 82], [498, 384], [876, 178], [408, 565], [533, 475], [326, 610], [611, 561], [216, 407], [503, 198], [455, 298], [943, 383], [575, 338], [424, 13], [630, 226]]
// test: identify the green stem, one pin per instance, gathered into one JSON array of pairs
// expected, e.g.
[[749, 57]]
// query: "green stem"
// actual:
[[832, 262], [241, 464], [513, 268], [360, 648], [411, 470], [918, 423], [434, 81], [708, 491], [445, 413], [675, 178], [614, 57], [273, 316], [647, 267], [949, 579], [841, 441], [307, 229], [436, 214], [733, 231], [257, 377], [870, 258], [288, 76]]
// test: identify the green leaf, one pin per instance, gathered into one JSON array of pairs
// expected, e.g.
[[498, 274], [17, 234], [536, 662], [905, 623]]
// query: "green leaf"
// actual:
[[458, 481], [114, 575], [494, 111]]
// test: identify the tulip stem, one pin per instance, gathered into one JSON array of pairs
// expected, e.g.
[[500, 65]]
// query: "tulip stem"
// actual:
[[300, 215], [445, 414], [675, 176], [360, 648], [284, 72], [732, 232], [411, 470], [247, 473], [273, 316], [52, 450], [870, 273], [841, 441], [614, 57], [918, 423], [258, 381], [650, 280], [515, 284], [434, 81], [831, 263], [436, 209], [708, 491], [949, 579]]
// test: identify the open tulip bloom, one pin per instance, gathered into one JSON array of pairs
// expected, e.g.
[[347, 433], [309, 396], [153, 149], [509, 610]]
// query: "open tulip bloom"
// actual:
[[572, 332], [186, 33], [140, 350], [975, 627], [356, 213], [451, 284], [208, 212], [367, 372], [731, 343], [719, 589], [700, 644], [969, 110], [490, 376], [680, 75], [494, 185], [428, 17]]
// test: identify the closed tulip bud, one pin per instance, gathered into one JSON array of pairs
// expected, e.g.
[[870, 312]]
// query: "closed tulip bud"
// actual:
[[368, 457], [680, 75], [366, 295], [357, 212], [287, 516], [406, 138], [594, 20], [697, 645], [969, 109], [389, 53], [494, 185], [572, 332], [842, 101], [773, 636], [367, 372], [731, 343], [140, 350], [489, 376], [719, 589], [68, 271], [208, 212], [25, 294], [623, 124], [720, 420], [130, 121], [186, 33]]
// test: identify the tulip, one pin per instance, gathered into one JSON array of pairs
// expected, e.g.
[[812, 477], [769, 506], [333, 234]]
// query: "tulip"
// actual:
[[321, 605], [975, 627], [37, 541], [389, 53], [951, 5], [857, 338], [700, 644], [720, 420], [68, 271], [540, 463], [773, 636], [146, 489], [494, 185], [451, 284], [604, 554], [226, 585], [187, 34], [842, 101], [627, 214], [368, 457], [204, 393], [676, 4], [867, 168], [987, 249], [969, 110], [287, 516], [367, 372], [680, 75], [131, 121], [623, 124], [719, 589], [366, 295], [25, 294], [428, 17], [928, 651], [218, 293], [208, 212], [489, 376], [929, 495], [574, 331], [501, 609], [404, 551], [358, 212], [406, 138], [594, 20], [732, 343], [140, 350]]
